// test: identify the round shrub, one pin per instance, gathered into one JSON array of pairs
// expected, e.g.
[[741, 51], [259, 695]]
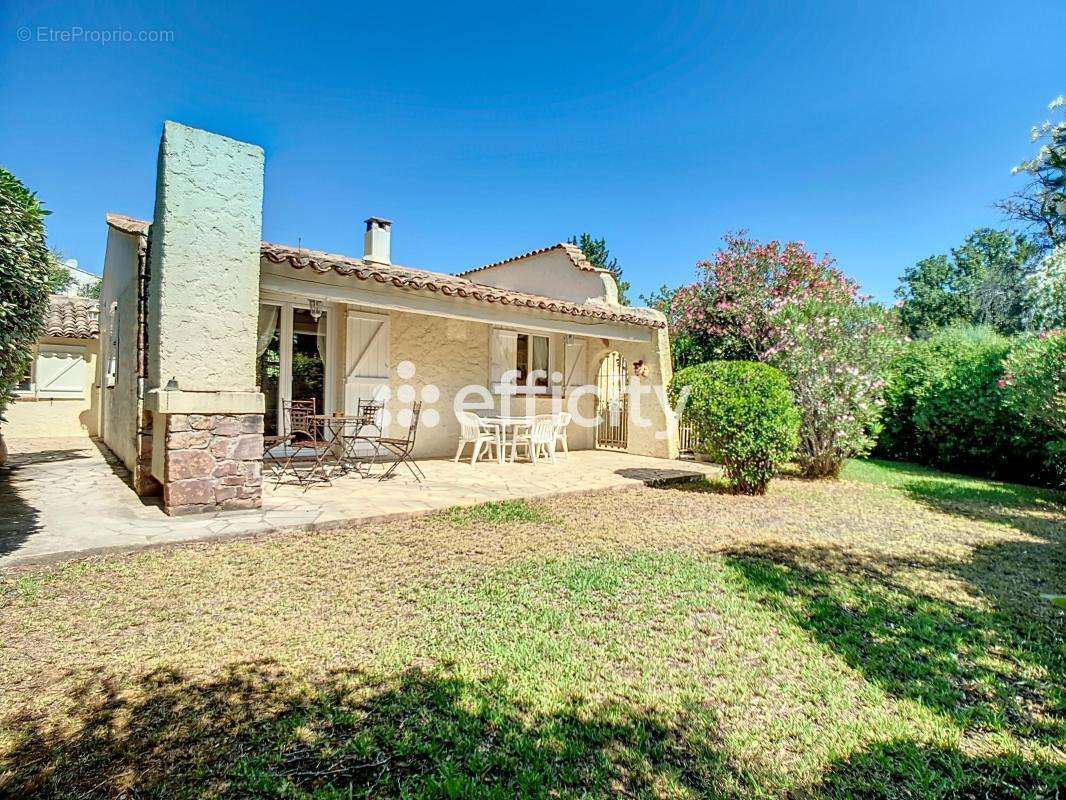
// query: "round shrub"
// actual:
[[947, 405], [744, 410]]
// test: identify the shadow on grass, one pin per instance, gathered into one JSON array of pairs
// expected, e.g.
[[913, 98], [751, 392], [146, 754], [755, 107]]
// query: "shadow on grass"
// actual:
[[991, 670], [1029, 510], [904, 769], [253, 732]]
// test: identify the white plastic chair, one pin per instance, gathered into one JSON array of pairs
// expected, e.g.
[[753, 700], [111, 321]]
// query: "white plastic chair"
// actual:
[[562, 422], [477, 433], [538, 441]]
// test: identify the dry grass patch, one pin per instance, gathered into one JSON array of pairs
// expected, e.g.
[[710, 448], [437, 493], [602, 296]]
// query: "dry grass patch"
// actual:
[[878, 636]]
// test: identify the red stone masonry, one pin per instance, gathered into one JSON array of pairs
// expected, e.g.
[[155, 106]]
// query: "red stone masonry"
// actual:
[[213, 462]]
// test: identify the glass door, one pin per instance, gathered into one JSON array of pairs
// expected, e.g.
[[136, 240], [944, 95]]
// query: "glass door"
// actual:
[[292, 359]]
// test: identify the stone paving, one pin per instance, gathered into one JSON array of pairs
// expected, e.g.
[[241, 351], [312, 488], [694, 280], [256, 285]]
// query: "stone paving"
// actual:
[[61, 498]]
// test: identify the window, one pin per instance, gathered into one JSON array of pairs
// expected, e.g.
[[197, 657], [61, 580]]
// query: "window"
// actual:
[[531, 357]]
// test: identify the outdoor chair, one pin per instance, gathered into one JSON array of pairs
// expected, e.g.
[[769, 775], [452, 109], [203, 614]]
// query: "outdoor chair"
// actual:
[[477, 433], [539, 440], [366, 428], [562, 421], [306, 450], [277, 447], [401, 448]]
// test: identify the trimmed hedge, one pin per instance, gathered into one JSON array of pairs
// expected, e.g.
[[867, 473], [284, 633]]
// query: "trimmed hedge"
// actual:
[[744, 410], [24, 271], [948, 406]]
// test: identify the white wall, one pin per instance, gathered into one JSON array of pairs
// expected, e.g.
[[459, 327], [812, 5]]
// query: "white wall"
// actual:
[[119, 407]]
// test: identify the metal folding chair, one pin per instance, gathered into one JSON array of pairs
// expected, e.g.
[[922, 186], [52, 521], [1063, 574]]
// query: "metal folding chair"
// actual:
[[368, 418], [401, 448]]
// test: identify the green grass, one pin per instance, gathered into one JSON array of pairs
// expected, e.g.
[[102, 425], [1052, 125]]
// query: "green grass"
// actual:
[[830, 640], [495, 513]]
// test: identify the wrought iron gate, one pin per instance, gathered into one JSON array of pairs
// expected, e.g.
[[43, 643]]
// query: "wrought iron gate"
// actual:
[[612, 408]]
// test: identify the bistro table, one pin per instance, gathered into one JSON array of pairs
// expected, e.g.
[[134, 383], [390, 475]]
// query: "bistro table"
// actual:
[[341, 444], [503, 425]]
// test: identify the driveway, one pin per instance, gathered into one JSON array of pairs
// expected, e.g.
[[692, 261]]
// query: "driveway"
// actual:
[[62, 498]]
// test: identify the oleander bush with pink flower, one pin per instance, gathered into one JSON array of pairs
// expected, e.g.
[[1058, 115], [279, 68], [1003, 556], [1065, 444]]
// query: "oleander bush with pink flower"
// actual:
[[834, 354], [782, 305]]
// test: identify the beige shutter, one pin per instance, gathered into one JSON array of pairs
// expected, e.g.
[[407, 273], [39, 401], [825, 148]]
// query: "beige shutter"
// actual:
[[504, 354], [575, 371], [366, 365], [62, 372]]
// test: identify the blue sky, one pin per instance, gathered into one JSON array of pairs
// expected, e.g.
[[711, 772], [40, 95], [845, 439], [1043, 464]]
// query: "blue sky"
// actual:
[[881, 132]]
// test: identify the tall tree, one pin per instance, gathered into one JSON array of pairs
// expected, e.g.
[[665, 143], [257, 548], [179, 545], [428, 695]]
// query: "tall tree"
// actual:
[[982, 282], [1041, 204], [596, 252], [24, 274]]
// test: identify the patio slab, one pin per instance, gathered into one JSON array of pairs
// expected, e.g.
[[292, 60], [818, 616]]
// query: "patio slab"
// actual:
[[63, 498]]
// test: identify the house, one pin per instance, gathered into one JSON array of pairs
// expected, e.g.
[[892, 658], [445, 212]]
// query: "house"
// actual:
[[207, 331], [56, 398]]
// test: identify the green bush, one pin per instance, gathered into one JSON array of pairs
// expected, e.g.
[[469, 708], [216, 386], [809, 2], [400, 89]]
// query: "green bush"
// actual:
[[947, 405], [1035, 376], [744, 410], [24, 274]]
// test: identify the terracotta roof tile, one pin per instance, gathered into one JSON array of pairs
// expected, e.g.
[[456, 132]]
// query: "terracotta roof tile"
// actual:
[[72, 317], [573, 252], [448, 285], [437, 282], [136, 227]]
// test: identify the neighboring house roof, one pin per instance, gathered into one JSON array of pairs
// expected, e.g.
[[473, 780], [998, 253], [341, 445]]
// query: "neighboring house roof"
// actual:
[[72, 317], [422, 280], [573, 252]]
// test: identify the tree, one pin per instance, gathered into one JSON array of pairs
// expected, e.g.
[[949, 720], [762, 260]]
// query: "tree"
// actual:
[[1045, 292], [834, 353], [1041, 204], [982, 282], [599, 256], [59, 277], [727, 313], [90, 291], [25, 266]]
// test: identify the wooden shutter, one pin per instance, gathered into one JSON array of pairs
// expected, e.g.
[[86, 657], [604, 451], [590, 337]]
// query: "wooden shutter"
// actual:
[[366, 365], [62, 372], [575, 367]]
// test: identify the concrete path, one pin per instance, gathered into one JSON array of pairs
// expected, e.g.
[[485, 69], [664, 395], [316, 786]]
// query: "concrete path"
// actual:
[[61, 498]]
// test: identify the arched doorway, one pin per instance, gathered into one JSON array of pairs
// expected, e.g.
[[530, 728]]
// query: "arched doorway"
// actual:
[[612, 408]]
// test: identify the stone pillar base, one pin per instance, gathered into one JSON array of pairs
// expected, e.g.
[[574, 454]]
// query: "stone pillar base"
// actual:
[[213, 462]]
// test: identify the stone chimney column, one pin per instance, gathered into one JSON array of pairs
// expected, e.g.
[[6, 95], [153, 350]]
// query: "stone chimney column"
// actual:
[[203, 303]]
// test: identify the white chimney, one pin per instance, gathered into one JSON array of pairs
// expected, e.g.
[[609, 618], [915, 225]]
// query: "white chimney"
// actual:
[[377, 244]]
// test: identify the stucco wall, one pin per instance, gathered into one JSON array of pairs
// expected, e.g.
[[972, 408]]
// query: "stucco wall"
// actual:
[[659, 437], [203, 299], [118, 403], [37, 418], [551, 274], [449, 354]]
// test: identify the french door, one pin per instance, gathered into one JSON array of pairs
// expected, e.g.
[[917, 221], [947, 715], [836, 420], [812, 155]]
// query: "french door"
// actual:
[[293, 361]]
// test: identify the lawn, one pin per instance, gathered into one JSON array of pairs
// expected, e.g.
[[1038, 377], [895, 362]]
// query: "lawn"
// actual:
[[880, 636]]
